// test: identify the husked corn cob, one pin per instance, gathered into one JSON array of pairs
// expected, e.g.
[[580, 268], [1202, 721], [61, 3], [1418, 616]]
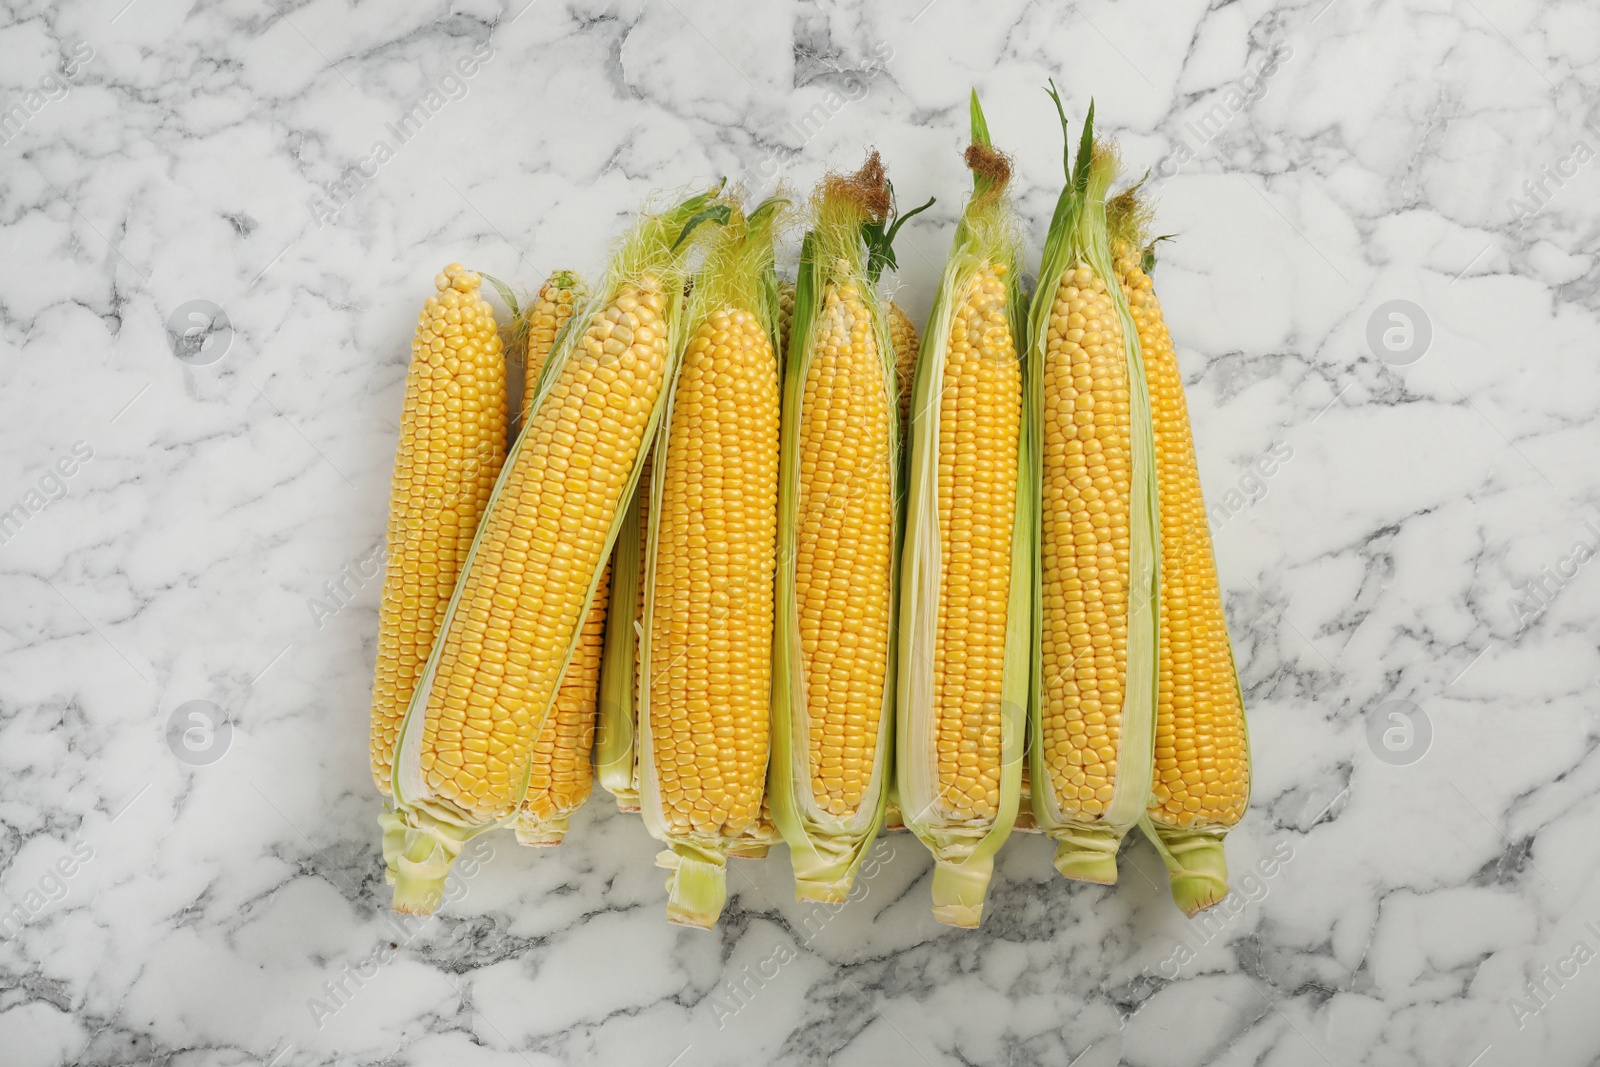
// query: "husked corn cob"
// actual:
[[842, 567], [465, 749], [1088, 467], [980, 399], [966, 612], [560, 773], [452, 443], [711, 601], [835, 651], [707, 663], [1201, 783], [1090, 756]]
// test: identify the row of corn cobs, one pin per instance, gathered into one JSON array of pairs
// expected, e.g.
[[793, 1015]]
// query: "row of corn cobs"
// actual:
[[708, 538]]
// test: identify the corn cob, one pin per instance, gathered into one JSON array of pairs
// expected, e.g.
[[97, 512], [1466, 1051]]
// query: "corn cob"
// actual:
[[560, 773], [834, 649], [707, 661], [1093, 720], [462, 763], [966, 610], [1202, 757], [616, 754], [452, 444]]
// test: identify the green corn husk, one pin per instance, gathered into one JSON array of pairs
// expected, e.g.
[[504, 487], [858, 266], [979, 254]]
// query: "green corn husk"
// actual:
[[826, 850], [616, 750], [738, 274], [424, 833], [963, 848], [1086, 849]]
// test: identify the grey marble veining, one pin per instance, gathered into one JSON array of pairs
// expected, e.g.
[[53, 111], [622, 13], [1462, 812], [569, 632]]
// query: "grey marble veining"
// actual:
[[1405, 511]]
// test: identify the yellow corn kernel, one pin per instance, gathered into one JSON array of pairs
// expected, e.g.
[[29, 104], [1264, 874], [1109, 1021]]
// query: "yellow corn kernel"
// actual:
[[452, 444], [844, 539], [710, 632], [980, 408], [1202, 764], [1085, 544]]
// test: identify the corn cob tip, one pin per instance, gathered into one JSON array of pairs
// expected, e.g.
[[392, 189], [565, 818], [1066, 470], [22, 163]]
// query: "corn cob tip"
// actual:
[[457, 277]]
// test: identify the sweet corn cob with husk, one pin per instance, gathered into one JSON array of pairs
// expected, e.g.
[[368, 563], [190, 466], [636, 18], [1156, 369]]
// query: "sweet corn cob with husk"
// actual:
[[1093, 720], [832, 705], [967, 574], [707, 643], [463, 758], [560, 774], [1202, 753], [616, 754], [452, 444]]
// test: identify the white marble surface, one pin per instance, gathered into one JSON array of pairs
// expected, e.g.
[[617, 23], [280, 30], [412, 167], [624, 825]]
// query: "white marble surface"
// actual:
[[206, 907]]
